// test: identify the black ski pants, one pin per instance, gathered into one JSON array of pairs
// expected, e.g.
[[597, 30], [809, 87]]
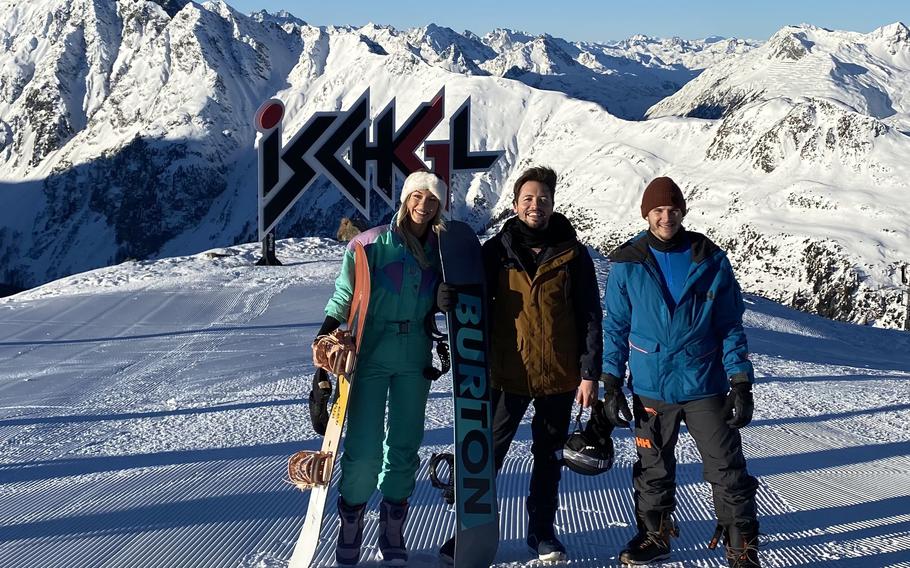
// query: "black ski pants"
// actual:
[[720, 446], [549, 432]]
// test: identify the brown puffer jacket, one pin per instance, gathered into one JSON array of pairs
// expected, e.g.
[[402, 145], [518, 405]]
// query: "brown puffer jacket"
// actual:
[[546, 328]]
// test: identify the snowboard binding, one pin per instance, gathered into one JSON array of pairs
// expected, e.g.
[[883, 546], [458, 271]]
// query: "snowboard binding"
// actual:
[[334, 352], [447, 486], [442, 349], [308, 469]]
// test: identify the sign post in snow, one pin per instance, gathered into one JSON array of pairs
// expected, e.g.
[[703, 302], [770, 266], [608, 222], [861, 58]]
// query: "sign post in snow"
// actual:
[[905, 281], [323, 143], [268, 123]]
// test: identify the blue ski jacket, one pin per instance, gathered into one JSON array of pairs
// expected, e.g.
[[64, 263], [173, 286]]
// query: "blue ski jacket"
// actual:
[[681, 353]]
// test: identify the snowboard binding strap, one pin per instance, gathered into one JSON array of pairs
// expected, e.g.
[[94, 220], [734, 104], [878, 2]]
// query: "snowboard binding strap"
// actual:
[[442, 349], [308, 469], [334, 352], [447, 486]]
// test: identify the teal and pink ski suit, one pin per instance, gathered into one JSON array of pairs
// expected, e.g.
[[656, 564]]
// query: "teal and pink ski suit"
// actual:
[[381, 452]]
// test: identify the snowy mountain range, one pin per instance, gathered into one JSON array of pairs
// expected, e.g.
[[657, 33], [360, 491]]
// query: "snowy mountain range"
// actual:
[[125, 132], [865, 73]]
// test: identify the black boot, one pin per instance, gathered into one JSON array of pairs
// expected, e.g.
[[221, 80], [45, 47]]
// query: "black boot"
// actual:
[[391, 533], [652, 543], [541, 534], [741, 546], [350, 533], [447, 552]]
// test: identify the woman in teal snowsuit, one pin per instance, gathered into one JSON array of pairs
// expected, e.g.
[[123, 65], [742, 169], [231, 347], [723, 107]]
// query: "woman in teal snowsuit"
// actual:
[[378, 453]]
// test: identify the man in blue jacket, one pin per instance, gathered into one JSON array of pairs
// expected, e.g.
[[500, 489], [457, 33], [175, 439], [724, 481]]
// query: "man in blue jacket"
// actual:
[[673, 315]]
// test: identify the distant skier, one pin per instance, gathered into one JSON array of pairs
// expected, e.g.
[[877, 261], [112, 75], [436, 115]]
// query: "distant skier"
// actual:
[[404, 269], [546, 341], [673, 312]]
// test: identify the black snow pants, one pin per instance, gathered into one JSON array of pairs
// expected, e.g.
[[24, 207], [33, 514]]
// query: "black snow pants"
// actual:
[[549, 431], [720, 446]]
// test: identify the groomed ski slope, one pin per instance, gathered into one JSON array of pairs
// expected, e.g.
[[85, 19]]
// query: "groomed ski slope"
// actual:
[[147, 410]]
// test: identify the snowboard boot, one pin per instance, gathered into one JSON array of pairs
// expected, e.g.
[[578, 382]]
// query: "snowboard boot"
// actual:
[[741, 545], [547, 546], [391, 533], [350, 533], [652, 543], [541, 535], [447, 552]]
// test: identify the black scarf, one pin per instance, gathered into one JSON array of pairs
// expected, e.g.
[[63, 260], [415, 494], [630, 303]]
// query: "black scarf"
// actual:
[[533, 238], [557, 231]]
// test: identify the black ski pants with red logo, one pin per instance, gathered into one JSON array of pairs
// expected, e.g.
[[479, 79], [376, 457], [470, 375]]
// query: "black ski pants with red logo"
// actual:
[[720, 446]]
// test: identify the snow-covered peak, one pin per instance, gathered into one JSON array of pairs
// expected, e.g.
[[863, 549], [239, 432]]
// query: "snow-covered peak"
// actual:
[[172, 7], [543, 55], [281, 17], [501, 39], [894, 39], [675, 51], [896, 33], [788, 44], [438, 37], [869, 73], [445, 47]]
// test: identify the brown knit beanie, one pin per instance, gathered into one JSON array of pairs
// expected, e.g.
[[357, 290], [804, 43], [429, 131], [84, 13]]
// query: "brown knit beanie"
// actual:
[[662, 191]]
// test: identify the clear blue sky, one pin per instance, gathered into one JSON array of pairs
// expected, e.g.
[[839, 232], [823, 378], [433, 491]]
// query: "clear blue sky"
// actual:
[[592, 20]]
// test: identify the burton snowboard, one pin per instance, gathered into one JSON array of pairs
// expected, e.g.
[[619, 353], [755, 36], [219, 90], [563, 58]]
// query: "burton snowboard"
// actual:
[[476, 507], [310, 470]]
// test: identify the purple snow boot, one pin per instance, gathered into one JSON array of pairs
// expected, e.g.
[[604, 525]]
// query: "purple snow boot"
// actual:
[[391, 533], [350, 533]]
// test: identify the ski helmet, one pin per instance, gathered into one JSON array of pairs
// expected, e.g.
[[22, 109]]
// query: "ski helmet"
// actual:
[[589, 451]]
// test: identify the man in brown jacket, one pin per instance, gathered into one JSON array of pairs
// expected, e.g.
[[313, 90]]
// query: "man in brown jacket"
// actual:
[[546, 340]]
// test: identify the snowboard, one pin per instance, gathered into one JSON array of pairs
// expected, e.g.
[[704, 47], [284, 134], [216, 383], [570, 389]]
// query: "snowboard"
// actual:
[[476, 508], [323, 464]]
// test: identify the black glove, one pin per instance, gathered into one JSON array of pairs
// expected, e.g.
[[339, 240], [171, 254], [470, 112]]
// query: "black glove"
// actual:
[[329, 325], [598, 427], [319, 401], [446, 297], [615, 405], [739, 405]]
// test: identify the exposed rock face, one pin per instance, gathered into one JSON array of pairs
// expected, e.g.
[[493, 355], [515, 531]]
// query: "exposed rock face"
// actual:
[[147, 192], [827, 280], [816, 130], [788, 46]]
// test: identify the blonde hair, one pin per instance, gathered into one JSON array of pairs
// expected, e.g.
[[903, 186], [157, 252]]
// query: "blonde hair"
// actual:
[[411, 242]]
